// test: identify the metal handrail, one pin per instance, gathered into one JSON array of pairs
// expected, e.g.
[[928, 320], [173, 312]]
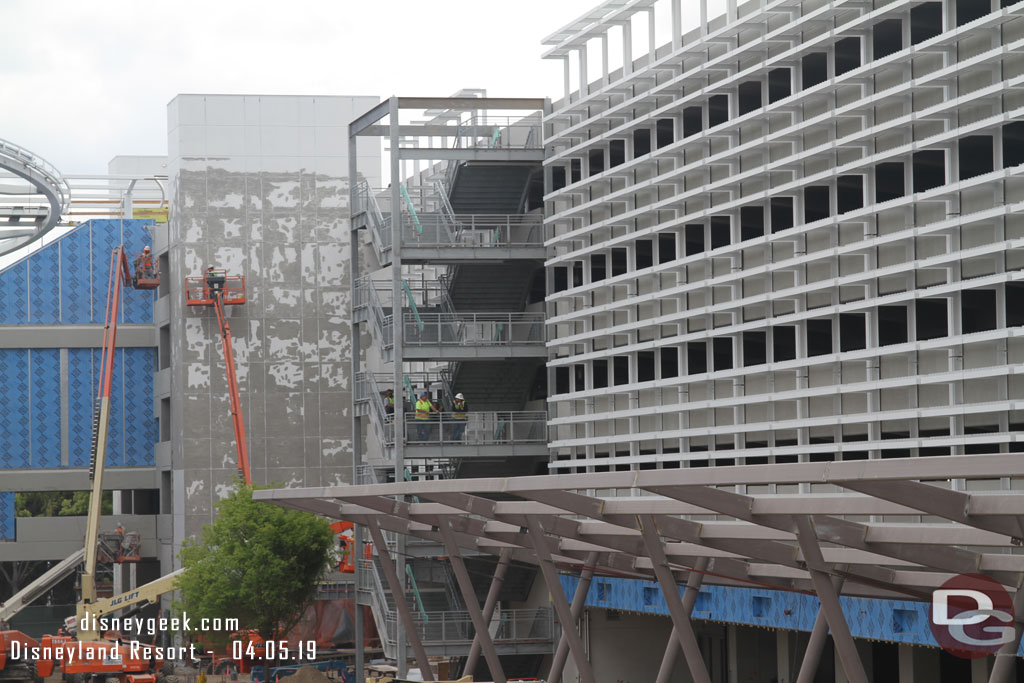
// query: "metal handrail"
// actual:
[[478, 428], [474, 230], [474, 329]]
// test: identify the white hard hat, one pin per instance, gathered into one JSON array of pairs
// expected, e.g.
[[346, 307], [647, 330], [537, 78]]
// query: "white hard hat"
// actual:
[[459, 396]]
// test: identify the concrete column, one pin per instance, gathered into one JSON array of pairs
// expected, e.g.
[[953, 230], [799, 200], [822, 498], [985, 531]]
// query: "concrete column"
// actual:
[[782, 671], [979, 670], [732, 653], [906, 663]]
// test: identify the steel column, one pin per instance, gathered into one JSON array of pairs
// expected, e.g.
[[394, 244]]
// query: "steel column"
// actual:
[[845, 647], [693, 582], [404, 613], [547, 567], [670, 590], [579, 600], [816, 644], [489, 604], [483, 636]]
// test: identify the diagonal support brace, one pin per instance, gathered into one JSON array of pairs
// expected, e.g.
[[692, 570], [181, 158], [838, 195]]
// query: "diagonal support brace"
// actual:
[[469, 597], [489, 604], [404, 613], [845, 647], [693, 582], [547, 567], [682, 627], [579, 600]]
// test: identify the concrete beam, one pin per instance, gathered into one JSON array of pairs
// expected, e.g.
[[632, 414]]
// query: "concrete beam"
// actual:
[[77, 479], [54, 538], [73, 336]]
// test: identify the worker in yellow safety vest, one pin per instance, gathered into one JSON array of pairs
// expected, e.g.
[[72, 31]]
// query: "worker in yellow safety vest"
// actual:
[[424, 406], [459, 416]]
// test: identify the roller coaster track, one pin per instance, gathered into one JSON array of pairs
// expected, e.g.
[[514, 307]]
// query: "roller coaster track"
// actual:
[[33, 197]]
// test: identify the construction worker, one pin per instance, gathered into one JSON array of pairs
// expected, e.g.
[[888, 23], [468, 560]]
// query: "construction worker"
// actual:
[[389, 401], [424, 407], [214, 280], [459, 416], [144, 264]]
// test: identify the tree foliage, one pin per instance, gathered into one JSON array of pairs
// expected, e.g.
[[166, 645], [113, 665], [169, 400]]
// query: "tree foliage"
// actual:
[[258, 563], [59, 503]]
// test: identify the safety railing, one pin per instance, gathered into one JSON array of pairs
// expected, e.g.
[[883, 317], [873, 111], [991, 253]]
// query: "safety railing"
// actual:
[[473, 329], [439, 230], [498, 132], [366, 294], [478, 428]]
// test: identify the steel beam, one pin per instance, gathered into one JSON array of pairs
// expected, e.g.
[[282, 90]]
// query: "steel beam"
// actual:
[[816, 643], [482, 635], [547, 567], [682, 627], [1006, 659], [829, 598], [693, 583], [404, 613], [504, 559], [579, 600]]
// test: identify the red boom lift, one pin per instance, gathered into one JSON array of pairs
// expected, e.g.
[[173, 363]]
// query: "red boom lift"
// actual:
[[218, 289]]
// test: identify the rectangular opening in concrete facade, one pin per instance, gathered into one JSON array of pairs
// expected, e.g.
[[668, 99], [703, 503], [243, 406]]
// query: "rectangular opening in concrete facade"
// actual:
[[975, 156], [816, 203], [616, 153], [932, 319], [969, 10], [819, 337], [720, 228], [669, 361], [692, 121], [1014, 304], [892, 325], [783, 343], [751, 222], [694, 235], [929, 169], [889, 181], [722, 351], [852, 332], [664, 131], [601, 373], [560, 278], [620, 369], [597, 267], [814, 69], [977, 310], [749, 96], [577, 273], [925, 22], [579, 377], [718, 110], [620, 261], [780, 85], [165, 346], [847, 55], [164, 263], [575, 170], [165, 419], [595, 163], [782, 213], [755, 348], [562, 380], [641, 142], [645, 366], [886, 38], [849, 193], [666, 247], [557, 178], [1013, 144], [644, 254], [696, 358]]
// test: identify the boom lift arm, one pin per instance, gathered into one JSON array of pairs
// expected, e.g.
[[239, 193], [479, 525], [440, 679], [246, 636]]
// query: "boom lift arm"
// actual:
[[236, 403]]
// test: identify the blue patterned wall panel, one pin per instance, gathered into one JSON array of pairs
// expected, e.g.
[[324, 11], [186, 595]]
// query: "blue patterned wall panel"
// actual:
[[81, 394], [15, 440], [75, 284], [115, 438], [106, 235], [138, 303], [14, 294], [898, 621], [45, 378], [7, 519], [44, 286], [140, 426]]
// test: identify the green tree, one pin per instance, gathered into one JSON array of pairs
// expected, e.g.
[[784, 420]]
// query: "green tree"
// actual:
[[257, 563], [59, 503]]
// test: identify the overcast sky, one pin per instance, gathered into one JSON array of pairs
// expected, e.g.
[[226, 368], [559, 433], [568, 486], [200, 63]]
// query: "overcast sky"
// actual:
[[81, 82]]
